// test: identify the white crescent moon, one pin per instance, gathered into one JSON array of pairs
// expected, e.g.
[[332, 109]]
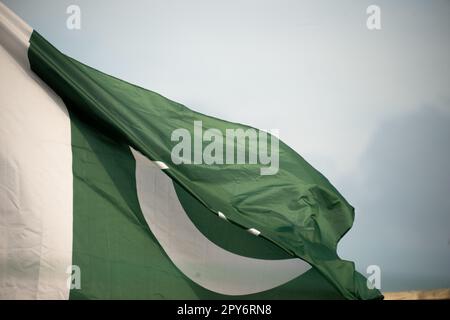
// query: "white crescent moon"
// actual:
[[205, 263]]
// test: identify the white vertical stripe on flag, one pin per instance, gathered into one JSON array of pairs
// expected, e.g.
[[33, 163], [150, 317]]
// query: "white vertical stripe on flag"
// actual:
[[35, 175]]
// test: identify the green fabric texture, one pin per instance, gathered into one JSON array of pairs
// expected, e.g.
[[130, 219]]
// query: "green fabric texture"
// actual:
[[297, 209], [119, 257]]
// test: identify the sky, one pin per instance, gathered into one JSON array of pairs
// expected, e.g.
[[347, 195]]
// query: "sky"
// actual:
[[370, 109]]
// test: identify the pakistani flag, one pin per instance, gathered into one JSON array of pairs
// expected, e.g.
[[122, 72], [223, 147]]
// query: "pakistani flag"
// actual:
[[101, 199]]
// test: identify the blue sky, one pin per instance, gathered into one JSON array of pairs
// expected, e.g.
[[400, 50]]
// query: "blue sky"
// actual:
[[369, 109]]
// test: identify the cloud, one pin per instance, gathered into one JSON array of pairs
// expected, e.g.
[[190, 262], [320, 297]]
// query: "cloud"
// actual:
[[402, 197]]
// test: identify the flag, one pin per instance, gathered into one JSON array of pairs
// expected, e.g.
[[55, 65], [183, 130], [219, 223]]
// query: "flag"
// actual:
[[112, 191]]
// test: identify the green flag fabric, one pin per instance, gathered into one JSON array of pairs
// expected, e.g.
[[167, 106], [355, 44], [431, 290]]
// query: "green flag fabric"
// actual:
[[136, 221]]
